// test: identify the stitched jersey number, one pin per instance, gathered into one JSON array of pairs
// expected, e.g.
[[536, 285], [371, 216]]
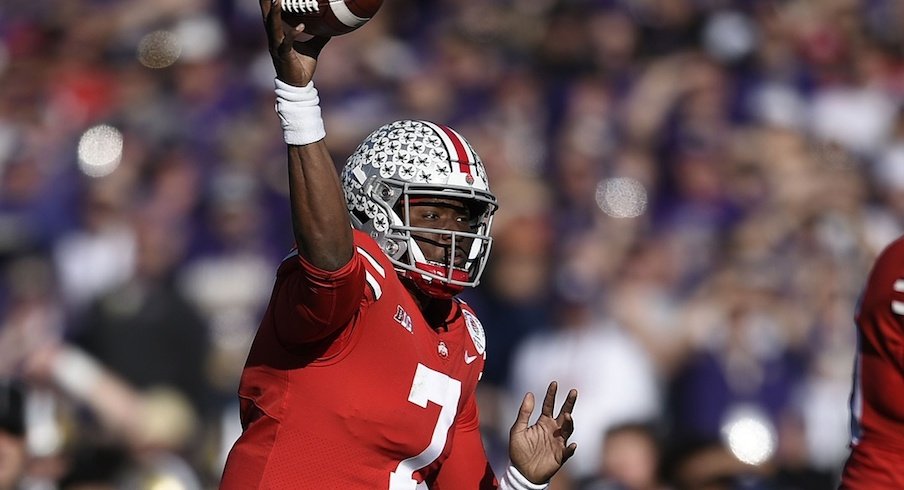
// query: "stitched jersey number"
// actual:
[[428, 386]]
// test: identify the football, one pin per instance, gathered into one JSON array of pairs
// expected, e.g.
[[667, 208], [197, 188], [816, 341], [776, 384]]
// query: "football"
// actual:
[[329, 17]]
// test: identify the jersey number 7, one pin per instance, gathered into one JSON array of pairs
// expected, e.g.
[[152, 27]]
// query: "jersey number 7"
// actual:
[[428, 386]]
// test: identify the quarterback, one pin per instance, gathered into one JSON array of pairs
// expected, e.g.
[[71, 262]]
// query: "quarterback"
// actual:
[[363, 371], [877, 400]]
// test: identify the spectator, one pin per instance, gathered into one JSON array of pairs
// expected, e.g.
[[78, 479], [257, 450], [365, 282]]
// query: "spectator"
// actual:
[[630, 459]]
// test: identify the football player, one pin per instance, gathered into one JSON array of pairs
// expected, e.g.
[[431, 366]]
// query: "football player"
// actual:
[[363, 371], [877, 399]]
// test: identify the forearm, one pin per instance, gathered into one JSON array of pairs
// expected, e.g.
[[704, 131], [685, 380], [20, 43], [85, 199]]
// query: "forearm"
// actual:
[[320, 219], [84, 379], [161, 417]]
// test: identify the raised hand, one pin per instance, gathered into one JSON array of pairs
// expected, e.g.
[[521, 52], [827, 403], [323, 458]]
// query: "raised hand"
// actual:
[[294, 53], [539, 450]]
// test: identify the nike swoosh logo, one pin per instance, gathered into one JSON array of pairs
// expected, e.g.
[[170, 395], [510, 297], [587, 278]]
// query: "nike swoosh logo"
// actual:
[[469, 359]]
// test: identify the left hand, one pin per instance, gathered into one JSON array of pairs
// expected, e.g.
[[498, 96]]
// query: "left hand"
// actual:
[[539, 450]]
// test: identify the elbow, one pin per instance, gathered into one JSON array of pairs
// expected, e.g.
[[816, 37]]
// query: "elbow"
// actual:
[[327, 253], [328, 259]]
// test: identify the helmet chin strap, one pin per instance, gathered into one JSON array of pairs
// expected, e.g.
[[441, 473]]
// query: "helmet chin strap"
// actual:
[[431, 287]]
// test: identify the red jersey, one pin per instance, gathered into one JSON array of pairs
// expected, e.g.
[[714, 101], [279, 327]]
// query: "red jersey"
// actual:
[[877, 401], [347, 386]]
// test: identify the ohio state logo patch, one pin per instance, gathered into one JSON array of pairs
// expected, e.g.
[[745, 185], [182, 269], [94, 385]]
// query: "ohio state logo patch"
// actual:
[[476, 330]]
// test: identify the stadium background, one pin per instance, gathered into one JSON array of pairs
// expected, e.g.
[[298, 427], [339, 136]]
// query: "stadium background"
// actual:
[[691, 192]]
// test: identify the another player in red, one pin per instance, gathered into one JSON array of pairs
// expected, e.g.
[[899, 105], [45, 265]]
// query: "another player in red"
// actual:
[[877, 401], [363, 371]]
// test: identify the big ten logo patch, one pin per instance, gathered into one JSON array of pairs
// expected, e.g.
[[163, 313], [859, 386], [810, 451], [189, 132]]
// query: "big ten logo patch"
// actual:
[[476, 331], [404, 320]]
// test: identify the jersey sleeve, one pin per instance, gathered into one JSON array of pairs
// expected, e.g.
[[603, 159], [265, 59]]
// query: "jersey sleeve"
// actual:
[[467, 465], [310, 304], [881, 312]]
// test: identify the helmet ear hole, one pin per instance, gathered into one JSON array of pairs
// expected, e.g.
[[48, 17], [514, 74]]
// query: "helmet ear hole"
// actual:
[[385, 192]]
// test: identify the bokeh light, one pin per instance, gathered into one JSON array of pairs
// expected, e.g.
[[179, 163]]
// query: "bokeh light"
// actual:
[[100, 151], [165, 482], [200, 37], [621, 197], [159, 49], [729, 36], [750, 437]]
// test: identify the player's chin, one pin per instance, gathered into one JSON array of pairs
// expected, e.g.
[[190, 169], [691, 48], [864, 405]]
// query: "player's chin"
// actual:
[[461, 258]]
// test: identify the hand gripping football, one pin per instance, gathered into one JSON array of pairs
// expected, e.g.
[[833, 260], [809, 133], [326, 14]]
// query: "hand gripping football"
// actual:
[[329, 17]]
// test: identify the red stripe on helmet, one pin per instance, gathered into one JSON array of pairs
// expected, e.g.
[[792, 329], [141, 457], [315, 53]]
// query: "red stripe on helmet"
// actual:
[[460, 149]]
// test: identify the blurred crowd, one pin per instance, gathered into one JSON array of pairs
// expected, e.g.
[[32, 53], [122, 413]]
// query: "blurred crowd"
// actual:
[[690, 194]]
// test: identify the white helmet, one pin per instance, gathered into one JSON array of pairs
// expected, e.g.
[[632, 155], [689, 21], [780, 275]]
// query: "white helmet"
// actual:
[[407, 159]]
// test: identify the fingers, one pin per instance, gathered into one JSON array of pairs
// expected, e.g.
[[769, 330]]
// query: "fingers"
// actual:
[[273, 22], [268, 9], [566, 425], [568, 405], [549, 402], [265, 8], [524, 413], [568, 452]]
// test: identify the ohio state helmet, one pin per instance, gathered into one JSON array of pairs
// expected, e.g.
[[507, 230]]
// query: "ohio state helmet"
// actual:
[[419, 159]]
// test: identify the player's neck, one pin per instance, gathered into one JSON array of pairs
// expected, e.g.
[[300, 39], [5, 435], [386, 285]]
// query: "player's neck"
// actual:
[[436, 311]]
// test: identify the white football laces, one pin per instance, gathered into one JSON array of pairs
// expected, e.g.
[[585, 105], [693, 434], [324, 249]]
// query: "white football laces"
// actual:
[[301, 6]]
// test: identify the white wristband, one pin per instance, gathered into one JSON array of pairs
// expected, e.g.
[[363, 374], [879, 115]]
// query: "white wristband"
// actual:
[[299, 113], [514, 480]]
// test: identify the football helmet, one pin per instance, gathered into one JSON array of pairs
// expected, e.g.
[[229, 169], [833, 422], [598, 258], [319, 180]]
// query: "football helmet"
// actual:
[[410, 160]]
